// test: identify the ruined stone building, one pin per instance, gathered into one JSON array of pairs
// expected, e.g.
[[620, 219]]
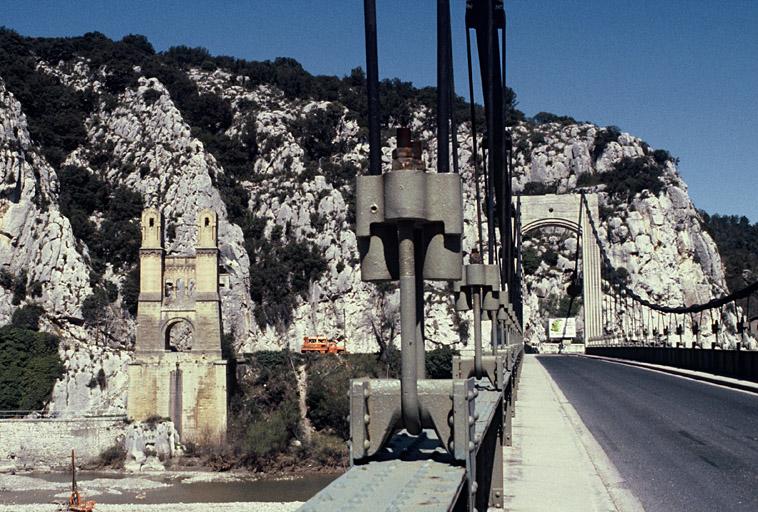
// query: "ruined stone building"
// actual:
[[178, 370]]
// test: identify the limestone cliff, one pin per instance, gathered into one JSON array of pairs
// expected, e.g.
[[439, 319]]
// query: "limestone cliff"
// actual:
[[286, 208], [655, 238]]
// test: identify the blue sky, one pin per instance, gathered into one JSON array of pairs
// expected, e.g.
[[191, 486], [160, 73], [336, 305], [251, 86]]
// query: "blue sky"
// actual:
[[681, 74]]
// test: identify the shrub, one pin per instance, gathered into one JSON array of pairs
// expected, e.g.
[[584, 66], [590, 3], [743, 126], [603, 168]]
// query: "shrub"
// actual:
[[269, 435], [151, 96], [29, 367], [55, 112], [603, 138], [113, 457], [563, 306], [102, 380], [547, 117], [27, 317], [19, 288], [328, 405], [94, 306], [537, 138], [264, 409], [588, 179], [530, 260], [537, 188], [290, 265], [629, 176], [35, 289], [340, 174], [118, 238], [736, 239], [661, 156], [6, 279], [327, 450], [154, 419], [130, 290], [316, 130], [439, 362], [550, 257]]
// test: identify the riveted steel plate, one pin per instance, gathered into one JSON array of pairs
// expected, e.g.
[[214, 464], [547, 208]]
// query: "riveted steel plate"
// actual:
[[413, 473]]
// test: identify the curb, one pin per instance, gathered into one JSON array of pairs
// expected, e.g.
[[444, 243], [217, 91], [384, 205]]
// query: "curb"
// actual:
[[710, 378], [619, 493]]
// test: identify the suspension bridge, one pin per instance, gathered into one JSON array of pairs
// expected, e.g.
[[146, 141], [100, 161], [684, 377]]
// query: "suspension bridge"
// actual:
[[471, 442]]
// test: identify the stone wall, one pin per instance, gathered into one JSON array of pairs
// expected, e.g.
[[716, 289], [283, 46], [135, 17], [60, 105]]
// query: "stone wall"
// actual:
[[188, 388], [41, 443]]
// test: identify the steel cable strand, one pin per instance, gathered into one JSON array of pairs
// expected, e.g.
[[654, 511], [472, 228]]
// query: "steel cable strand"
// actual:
[[695, 308]]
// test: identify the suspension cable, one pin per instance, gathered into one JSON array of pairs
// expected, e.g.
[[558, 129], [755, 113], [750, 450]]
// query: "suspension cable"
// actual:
[[474, 149], [714, 303]]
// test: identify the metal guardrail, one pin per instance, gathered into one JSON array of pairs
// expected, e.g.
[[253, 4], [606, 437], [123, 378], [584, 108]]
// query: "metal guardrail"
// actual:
[[418, 472], [21, 414], [42, 415], [418, 443], [740, 364]]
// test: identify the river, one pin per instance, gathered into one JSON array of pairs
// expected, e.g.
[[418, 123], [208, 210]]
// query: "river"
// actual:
[[169, 487]]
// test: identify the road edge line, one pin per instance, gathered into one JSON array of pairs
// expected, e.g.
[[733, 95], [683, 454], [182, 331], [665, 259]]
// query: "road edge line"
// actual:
[[619, 492], [708, 378]]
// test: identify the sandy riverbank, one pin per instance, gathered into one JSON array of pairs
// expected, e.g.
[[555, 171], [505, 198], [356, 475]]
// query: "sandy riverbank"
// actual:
[[160, 492], [173, 507]]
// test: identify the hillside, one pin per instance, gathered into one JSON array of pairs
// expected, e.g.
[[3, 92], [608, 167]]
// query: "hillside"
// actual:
[[93, 130]]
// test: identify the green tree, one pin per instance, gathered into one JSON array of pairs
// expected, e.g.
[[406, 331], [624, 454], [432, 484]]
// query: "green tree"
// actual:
[[27, 317], [29, 367]]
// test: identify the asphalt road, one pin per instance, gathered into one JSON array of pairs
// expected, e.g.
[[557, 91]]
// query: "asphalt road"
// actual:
[[681, 445]]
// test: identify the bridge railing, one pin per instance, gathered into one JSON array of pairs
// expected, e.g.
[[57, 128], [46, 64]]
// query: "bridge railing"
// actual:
[[740, 364], [21, 414], [460, 468]]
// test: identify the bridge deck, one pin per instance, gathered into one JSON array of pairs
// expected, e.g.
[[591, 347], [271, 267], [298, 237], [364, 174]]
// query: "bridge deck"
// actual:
[[554, 463], [430, 481]]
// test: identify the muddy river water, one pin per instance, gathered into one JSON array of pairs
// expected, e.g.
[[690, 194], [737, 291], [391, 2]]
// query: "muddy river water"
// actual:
[[169, 487]]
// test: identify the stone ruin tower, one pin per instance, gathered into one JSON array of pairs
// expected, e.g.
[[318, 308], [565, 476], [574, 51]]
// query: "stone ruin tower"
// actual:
[[177, 370]]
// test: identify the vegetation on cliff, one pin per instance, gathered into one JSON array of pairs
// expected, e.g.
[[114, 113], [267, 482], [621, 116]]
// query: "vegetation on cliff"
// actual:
[[29, 364], [58, 114], [266, 428], [737, 240]]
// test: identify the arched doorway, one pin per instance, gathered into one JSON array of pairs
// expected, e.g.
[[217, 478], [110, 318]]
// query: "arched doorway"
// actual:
[[562, 210], [179, 336]]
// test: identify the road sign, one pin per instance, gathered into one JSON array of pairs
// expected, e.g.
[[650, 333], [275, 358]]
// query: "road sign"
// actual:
[[561, 328]]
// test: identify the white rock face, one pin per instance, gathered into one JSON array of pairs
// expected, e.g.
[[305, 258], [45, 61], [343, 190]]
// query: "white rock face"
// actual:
[[155, 155], [147, 444], [152, 150], [659, 240], [34, 237]]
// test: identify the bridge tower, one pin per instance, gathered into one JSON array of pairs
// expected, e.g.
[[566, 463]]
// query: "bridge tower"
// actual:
[[562, 210], [177, 370]]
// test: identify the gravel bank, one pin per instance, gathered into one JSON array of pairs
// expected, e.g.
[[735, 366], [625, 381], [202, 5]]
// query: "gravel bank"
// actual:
[[173, 507]]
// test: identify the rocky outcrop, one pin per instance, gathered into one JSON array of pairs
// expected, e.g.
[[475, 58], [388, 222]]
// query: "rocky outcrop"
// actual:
[[151, 148], [154, 154], [657, 239], [147, 445], [35, 238]]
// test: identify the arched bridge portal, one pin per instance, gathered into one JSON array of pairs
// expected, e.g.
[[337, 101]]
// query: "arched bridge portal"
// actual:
[[562, 210]]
